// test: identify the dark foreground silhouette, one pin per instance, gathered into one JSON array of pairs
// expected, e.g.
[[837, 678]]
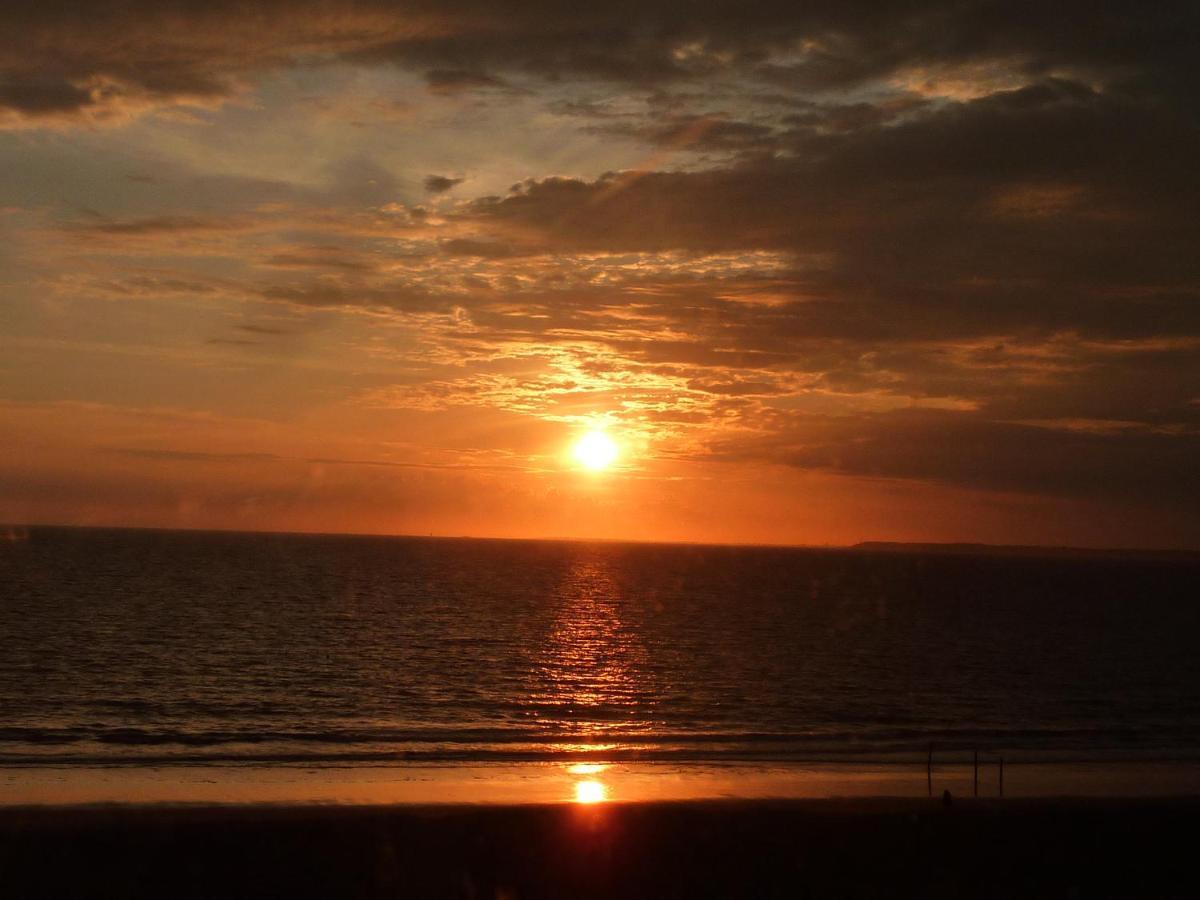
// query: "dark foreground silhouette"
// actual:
[[1061, 848]]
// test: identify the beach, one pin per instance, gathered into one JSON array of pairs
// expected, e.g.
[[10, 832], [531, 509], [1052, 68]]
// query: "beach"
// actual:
[[233, 715], [862, 847]]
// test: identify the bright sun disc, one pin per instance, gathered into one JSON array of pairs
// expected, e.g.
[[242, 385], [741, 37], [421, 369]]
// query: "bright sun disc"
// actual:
[[595, 450], [590, 792]]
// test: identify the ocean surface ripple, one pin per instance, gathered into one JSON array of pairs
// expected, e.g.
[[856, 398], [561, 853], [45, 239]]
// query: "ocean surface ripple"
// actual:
[[134, 647]]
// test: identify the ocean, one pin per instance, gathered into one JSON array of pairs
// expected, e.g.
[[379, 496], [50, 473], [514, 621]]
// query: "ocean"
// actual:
[[160, 648]]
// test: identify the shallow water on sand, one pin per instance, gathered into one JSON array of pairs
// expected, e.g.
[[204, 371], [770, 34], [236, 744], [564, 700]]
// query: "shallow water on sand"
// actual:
[[580, 783]]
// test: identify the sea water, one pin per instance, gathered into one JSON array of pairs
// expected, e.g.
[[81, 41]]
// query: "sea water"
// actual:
[[153, 648]]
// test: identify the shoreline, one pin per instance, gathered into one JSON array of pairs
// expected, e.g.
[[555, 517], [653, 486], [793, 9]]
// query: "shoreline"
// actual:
[[510, 784]]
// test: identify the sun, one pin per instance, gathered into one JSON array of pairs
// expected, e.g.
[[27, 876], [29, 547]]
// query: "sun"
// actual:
[[590, 792], [595, 450]]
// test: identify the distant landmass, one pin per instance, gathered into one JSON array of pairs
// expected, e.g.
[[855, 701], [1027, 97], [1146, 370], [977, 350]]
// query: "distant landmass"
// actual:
[[964, 549]]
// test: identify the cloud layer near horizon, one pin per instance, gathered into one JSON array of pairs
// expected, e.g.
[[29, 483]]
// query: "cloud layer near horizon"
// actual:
[[949, 248]]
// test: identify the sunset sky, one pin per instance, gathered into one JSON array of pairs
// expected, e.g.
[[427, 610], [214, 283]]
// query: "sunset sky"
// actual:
[[822, 273]]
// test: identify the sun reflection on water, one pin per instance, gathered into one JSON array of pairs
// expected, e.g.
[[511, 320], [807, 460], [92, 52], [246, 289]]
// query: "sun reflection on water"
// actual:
[[588, 678], [586, 768]]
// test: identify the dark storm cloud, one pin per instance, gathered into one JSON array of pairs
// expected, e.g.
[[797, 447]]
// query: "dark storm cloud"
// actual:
[[843, 44], [969, 450], [92, 57], [1045, 209], [35, 97], [695, 132]]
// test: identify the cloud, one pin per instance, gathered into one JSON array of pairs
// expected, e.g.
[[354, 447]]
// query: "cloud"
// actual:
[[440, 184], [152, 225], [1133, 464], [323, 257], [485, 249], [331, 293], [44, 98], [89, 61], [454, 81], [201, 456], [1089, 230]]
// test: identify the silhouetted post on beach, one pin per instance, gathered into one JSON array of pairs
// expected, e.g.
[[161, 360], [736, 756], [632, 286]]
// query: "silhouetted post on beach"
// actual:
[[1002, 776], [929, 770], [976, 773]]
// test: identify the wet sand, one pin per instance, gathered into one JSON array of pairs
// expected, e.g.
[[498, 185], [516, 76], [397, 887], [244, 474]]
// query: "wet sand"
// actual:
[[511, 784], [765, 848]]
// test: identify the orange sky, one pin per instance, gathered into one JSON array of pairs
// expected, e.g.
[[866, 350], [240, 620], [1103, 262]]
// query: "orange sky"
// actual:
[[823, 276]]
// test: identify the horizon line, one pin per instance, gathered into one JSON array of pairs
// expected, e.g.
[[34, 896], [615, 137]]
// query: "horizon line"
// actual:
[[884, 546]]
